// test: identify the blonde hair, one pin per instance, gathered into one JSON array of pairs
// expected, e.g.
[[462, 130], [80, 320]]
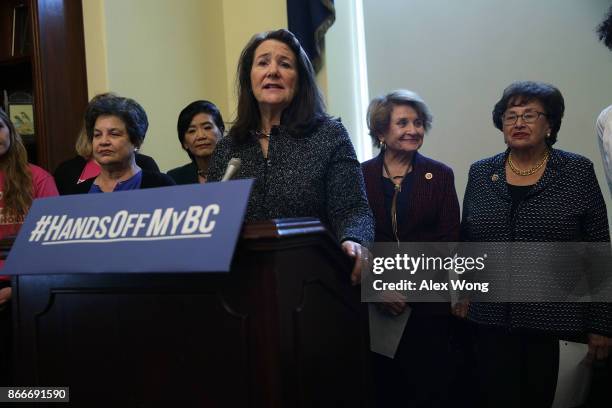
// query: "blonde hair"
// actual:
[[17, 187], [83, 144]]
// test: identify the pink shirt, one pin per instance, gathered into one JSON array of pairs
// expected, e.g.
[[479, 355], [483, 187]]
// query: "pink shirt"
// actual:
[[91, 170], [43, 185]]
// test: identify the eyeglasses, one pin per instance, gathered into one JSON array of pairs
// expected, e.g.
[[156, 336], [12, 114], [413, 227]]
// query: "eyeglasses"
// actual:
[[528, 117]]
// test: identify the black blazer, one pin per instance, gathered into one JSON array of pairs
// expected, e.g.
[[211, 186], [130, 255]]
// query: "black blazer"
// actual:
[[187, 174], [67, 173], [150, 179]]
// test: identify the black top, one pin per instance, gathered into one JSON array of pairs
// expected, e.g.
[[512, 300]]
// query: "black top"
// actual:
[[518, 194], [150, 179], [402, 198], [187, 174], [67, 173]]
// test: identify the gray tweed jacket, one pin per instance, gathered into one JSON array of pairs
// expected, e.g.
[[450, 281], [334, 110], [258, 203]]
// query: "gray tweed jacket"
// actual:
[[316, 175]]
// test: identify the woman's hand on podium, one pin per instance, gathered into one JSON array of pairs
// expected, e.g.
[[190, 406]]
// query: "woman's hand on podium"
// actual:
[[5, 295], [360, 254]]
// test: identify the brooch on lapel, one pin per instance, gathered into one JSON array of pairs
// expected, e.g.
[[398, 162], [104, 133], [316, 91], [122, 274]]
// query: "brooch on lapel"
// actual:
[[494, 177], [428, 176]]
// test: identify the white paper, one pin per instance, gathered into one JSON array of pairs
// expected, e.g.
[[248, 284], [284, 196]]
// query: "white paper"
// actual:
[[574, 375], [386, 330]]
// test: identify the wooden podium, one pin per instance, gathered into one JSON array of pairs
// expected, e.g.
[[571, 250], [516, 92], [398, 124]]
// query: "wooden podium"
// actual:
[[283, 329]]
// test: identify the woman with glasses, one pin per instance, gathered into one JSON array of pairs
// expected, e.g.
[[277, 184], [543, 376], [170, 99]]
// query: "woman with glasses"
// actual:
[[413, 199], [532, 193]]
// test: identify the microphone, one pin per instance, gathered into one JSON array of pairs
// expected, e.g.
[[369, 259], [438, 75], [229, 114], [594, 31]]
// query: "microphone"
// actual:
[[232, 168]]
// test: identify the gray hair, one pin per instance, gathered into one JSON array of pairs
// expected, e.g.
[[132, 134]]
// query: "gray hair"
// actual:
[[380, 108]]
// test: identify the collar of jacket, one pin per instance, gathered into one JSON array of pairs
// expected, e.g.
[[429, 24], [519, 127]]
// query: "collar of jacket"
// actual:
[[376, 194], [497, 173], [417, 162]]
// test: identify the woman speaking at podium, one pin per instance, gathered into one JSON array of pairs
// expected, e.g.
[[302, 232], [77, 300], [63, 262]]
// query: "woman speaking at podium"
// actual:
[[302, 160]]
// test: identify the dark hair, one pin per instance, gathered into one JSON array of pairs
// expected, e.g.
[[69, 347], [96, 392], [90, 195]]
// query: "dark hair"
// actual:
[[380, 109], [604, 30], [187, 114], [128, 110], [305, 111], [522, 92]]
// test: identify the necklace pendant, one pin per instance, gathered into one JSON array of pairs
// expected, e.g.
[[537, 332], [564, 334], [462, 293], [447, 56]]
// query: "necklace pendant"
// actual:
[[262, 135]]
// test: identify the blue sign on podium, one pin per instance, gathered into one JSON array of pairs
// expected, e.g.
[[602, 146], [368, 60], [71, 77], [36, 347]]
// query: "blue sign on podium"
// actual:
[[190, 228]]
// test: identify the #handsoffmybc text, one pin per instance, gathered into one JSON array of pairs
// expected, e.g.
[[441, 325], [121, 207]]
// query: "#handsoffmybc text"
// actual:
[[162, 223]]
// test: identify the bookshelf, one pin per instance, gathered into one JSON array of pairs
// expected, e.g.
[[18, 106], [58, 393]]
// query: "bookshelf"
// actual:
[[43, 81]]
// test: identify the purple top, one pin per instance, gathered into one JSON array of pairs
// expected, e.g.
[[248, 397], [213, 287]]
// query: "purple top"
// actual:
[[133, 183]]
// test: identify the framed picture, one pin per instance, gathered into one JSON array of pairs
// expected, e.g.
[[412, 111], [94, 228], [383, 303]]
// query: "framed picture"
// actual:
[[22, 116]]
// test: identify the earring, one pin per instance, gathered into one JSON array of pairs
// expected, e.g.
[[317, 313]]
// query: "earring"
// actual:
[[548, 134], [382, 145]]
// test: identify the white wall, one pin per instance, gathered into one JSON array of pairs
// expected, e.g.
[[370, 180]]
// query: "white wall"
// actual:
[[242, 19], [459, 55], [94, 27], [163, 54], [347, 88]]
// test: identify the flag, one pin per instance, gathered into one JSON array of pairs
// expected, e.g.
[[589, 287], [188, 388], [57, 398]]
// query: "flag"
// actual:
[[309, 20]]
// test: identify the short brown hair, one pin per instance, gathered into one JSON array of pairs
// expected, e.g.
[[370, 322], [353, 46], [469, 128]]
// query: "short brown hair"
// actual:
[[380, 108]]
